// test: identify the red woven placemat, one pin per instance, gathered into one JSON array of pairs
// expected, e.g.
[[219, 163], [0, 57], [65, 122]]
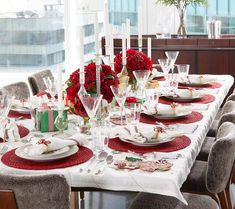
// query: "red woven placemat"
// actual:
[[23, 131], [177, 144], [208, 98], [11, 160], [161, 78], [213, 85], [191, 118], [14, 114]]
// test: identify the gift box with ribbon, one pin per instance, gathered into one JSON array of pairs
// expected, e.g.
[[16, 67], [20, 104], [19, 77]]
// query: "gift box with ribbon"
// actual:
[[45, 117]]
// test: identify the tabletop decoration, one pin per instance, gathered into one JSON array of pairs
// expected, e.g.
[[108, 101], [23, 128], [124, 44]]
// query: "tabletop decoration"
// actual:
[[45, 117], [178, 143], [135, 61], [12, 160], [149, 166], [108, 78]]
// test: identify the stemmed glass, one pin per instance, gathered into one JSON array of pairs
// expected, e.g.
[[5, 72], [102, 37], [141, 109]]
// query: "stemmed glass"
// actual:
[[121, 92], [165, 64], [51, 87], [142, 77], [91, 103], [183, 70], [172, 56]]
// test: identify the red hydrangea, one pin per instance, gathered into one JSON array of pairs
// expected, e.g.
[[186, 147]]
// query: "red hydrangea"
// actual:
[[107, 78], [135, 61]]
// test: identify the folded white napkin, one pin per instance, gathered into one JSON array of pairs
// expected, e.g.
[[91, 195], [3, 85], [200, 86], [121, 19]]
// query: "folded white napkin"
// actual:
[[186, 93], [45, 145], [199, 79], [163, 109], [143, 134], [9, 130]]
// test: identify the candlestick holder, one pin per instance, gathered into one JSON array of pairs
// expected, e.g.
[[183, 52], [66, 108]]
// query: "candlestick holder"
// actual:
[[98, 85], [82, 90]]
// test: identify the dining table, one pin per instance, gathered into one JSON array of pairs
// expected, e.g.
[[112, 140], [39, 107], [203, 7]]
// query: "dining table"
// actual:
[[169, 182]]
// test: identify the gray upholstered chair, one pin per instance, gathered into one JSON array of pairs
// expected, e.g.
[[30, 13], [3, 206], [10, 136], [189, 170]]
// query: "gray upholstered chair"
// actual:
[[214, 176], [228, 114], [231, 96], [19, 89], [153, 201], [34, 192], [228, 107], [36, 81]]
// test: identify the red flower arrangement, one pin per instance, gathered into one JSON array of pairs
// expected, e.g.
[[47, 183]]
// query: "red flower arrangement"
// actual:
[[135, 61], [107, 78]]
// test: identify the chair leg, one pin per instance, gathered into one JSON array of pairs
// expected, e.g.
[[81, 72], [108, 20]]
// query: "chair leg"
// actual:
[[229, 196], [82, 195], [74, 200], [223, 200]]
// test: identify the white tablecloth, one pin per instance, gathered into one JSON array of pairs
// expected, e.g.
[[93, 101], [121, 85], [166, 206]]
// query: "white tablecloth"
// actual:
[[166, 183]]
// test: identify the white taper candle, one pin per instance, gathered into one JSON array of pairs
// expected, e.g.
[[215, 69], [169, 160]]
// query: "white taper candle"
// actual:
[[149, 47], [96, 31], [81, 54], [106, 28], [123, 44], [128, 33]]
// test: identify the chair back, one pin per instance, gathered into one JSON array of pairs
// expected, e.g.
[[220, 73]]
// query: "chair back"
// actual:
[[36, 81], [231, 97], [221, 159], [36, 192], [227, 113], [19, 89]]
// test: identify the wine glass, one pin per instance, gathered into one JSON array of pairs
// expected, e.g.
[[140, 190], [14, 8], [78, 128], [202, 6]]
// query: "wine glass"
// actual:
[[5, 105], [121, 92], [183, 70], [172, 56], [142, 77], [165, 64], [51, 87], [91, 103]]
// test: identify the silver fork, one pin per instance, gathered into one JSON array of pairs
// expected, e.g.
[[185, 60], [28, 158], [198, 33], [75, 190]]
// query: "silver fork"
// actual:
[[4, 150]]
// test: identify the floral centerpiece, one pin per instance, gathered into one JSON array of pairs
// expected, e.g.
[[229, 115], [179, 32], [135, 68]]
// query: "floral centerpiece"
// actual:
[[135, 61], [107, 78]]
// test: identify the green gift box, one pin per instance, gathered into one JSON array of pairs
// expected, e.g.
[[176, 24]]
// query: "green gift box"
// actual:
[[45, 118]]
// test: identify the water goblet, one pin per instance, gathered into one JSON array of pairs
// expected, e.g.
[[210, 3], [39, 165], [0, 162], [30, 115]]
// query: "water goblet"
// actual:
[[120, 93], [61, 122], [142, 77], [165, 64]]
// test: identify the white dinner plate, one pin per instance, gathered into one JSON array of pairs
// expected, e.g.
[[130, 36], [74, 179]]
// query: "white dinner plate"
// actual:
[[20, 109], [173, 116], [51, 156], [148, 143]]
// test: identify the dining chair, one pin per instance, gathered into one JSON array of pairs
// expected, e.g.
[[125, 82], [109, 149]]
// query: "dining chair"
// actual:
[[34, 192], [228, 114], [19, 89], [231, 96], [213, 177], [36, 81], [228, 107]]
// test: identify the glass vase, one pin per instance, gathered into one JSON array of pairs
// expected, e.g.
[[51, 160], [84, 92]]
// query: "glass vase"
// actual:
[[181, 29]]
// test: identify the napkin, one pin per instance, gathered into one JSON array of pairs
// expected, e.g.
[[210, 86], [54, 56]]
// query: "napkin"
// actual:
[[142, 134], [9, 130], [49, 144], [186, 93], [198, 79]]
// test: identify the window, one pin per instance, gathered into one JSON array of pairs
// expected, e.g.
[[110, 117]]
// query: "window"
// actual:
[[223, 10]]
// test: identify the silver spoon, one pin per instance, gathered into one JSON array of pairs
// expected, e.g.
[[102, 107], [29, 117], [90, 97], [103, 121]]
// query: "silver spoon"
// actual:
[[109, 161], [100, 158]]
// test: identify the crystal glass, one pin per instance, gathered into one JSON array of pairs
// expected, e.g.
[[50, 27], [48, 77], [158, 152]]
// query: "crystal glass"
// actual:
[[183, 70], [61, 122], [121, 92], [165, 64], [142, 77], [51, 87], [5, 105], [172, 56]]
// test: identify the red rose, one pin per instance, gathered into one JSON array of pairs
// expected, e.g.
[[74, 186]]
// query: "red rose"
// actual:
[[135, 61], [107, 78]]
